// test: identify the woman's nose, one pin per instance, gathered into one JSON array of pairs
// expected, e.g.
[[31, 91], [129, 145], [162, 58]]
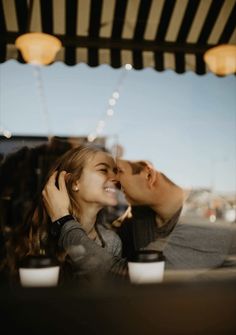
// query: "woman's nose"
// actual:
[[114, 177]]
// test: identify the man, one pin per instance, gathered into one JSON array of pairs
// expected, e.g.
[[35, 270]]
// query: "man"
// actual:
[[159, 225], [185, 246], [155, 205]]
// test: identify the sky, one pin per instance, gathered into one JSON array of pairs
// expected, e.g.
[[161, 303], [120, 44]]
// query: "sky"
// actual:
[[184, 124]]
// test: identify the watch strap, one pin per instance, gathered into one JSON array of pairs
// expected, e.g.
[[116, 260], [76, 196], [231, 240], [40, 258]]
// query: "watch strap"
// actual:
[[59, 223]]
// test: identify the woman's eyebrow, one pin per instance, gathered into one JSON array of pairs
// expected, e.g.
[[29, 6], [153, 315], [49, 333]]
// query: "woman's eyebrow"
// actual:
[[108, 166], [104, 164]]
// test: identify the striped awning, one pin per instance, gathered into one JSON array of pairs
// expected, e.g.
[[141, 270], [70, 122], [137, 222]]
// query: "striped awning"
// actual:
[[163, 34]]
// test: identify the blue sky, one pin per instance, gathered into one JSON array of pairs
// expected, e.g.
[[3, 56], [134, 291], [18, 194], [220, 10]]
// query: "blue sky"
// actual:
[[185, 124]]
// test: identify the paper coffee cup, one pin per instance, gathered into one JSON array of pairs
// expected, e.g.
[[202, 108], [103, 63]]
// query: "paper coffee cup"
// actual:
[[146, 266], [39, 271]]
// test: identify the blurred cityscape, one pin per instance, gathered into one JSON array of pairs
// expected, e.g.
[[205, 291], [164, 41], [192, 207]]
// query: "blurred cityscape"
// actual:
[[206, 205]]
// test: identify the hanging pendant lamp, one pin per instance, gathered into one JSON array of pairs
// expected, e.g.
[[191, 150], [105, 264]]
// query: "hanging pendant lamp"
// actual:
[[221, 60], [38, 48]]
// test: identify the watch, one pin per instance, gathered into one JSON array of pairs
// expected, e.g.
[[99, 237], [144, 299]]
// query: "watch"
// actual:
[[58, 224]]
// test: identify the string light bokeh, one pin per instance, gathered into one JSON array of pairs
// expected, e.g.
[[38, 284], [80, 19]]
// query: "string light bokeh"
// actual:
[[110, 107]]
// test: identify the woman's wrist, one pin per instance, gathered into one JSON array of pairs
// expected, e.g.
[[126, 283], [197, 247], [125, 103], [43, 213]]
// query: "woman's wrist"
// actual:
[[58, 215], [59, 223]]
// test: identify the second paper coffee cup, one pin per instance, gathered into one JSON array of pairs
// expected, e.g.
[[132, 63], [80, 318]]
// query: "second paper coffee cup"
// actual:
[[146, 266]]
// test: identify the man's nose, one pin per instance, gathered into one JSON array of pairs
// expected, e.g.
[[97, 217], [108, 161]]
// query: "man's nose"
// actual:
[[115, 179]]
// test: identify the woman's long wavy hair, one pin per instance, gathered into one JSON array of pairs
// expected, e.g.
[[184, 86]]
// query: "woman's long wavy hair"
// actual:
[[32, 237]]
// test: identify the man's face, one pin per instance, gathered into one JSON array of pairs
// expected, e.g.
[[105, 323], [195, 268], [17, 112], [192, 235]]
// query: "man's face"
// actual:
[[132, 184]]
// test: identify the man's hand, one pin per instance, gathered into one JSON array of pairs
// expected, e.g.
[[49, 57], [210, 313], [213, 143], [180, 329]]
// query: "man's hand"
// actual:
[[56, 200]]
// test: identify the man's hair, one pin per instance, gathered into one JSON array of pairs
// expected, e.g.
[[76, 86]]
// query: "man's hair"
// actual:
[[139, 166]]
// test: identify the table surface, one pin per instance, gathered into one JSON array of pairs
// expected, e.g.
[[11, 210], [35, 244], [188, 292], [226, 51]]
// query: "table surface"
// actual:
[[171, 307]]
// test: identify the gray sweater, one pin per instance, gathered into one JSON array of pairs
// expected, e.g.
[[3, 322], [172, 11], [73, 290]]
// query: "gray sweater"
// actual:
[[189, 246], [87, 256], [197, 246]]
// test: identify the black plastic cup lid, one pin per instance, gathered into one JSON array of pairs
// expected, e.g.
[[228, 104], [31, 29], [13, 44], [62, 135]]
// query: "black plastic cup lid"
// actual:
[[40, 261], [146, 256]]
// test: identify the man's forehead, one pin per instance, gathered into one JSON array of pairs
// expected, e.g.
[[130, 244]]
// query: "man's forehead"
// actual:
[[130, 163], [122, 162], [131, 167]]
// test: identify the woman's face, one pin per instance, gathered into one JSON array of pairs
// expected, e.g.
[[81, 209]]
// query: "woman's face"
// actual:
[[97, 183]]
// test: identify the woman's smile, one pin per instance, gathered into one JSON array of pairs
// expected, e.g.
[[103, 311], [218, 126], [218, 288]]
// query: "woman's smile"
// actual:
[[110, 190]]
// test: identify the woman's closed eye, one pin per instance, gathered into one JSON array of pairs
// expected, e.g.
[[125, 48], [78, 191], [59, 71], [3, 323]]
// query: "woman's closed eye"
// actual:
[[104, 170]]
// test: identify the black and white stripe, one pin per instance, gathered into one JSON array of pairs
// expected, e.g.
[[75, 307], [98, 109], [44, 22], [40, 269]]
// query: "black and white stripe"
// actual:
[[163, 34]]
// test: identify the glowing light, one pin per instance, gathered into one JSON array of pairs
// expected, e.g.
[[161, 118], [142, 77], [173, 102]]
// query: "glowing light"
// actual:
[[110, 112], [128, 67], [221, 60], [100, 126], [7, 133], [112, 102], [91, 137], [116, 95], [38, 48], [212, 218]]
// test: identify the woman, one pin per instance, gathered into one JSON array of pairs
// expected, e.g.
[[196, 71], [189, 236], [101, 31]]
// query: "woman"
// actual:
[[91, 185]]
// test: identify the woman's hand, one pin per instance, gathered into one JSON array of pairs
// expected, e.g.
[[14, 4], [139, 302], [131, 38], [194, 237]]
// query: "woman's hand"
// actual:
[[56, 201]]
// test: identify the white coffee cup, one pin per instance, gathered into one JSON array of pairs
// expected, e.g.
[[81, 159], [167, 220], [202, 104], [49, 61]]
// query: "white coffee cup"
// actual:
[[39, 271], [146, 267]]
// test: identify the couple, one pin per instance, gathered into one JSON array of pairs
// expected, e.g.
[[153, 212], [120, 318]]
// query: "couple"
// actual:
[[84, 180], [68, 221]]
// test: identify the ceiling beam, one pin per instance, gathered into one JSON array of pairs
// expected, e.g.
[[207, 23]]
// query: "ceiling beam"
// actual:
[[123, 44]]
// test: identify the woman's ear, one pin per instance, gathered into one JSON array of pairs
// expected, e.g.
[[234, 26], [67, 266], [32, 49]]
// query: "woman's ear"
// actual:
[[75, 186]]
